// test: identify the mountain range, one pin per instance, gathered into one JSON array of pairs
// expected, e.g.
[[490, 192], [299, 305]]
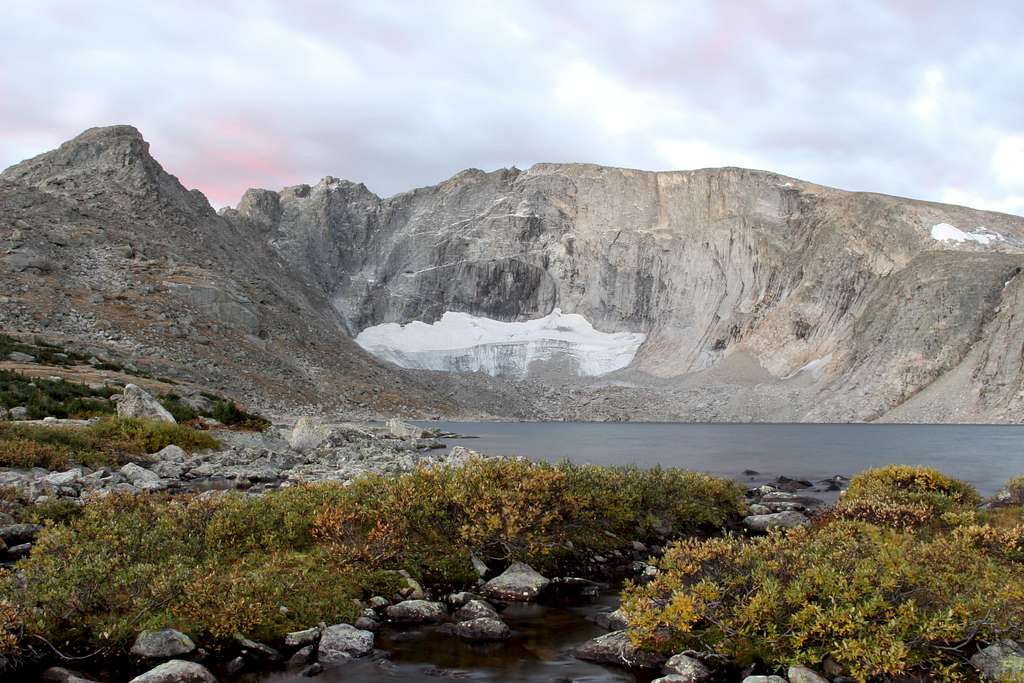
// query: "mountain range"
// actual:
[[563, 291]]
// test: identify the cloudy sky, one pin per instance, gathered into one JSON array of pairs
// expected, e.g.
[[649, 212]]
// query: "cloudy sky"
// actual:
[[923, 99]]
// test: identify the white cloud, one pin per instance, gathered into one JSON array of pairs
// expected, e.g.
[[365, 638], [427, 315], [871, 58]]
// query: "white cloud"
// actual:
[[692, 154], [1008, 160], [930, 95]]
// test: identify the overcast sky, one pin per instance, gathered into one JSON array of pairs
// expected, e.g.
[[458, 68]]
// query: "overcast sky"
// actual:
[[923, 99]]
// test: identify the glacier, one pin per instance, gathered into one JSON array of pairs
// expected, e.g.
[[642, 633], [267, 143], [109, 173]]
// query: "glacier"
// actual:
[[460, 342]]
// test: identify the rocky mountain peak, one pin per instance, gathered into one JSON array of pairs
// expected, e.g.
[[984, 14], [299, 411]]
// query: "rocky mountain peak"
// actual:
[[112, 161]]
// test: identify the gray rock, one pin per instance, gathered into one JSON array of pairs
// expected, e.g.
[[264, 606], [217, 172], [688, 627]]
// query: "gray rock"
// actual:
[[483, 628], [141, 477], [518, 583], [686, 669], [403, 430], [16, 552], [803, 674], [13, 534], [475, 609], [136, 402], [613, 621], [308, 433], [163, 644], [257, 650], [57, 674], [19, 413], [177, 671], [777, 520], [1000, 661], [343, 642], [301, 657], [302, 638], [171, 452], [764, 679], [616, 649], [416, 612], [19, 357], [367, 624], [66, 478]]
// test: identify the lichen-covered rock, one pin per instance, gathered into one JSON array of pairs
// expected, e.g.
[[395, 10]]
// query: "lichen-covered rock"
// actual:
[[686, 669], [416, 612], [1000, 661], [343, 642], [777, 520], [302, 638], [519, 583], [475, 609], [483, 628], [617, 649], [177, 671], [137, 402], [308, 433], [57, 674], [403, 430], [165, 643], [803, 674]]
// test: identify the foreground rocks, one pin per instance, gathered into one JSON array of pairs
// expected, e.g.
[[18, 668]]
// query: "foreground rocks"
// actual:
[[616, 649], [1001, 661], [343, 642], [177, 671], [519, 583], [163, 644]]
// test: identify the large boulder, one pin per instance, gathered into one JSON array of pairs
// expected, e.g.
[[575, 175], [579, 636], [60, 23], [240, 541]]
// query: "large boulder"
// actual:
[[140, 477], [475, 609], [177, 671], [778, 520], [308, 433], [685, 669], [484, 628], [136, 402], [163, 644], [343, 642], [416, 612], [403, 430], [616, 649], [519, 583], [1000, 661]]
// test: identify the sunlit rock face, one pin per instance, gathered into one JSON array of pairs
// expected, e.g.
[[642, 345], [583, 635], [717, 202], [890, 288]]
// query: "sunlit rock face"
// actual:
[[460, 342]]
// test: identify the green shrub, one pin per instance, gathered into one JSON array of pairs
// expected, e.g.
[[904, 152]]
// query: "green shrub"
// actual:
[[111, 441], [904, 579], [907, 497], [226, 412], [216, 566], [45, 397], [181, 411]]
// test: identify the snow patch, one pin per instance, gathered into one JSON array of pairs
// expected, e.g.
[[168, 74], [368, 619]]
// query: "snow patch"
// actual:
[[816, 367], [460, 342], [944, 232]]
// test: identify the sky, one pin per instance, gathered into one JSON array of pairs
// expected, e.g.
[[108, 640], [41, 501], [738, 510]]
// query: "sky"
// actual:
[[906, 97]]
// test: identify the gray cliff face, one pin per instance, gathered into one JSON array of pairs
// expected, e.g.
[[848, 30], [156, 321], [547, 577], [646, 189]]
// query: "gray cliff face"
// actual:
[[843, 302], [762, 297]]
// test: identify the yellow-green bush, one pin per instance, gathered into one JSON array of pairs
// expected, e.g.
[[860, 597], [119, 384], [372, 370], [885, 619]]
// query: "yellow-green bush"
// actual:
[[904, 579], [216, 565], [111, 441]]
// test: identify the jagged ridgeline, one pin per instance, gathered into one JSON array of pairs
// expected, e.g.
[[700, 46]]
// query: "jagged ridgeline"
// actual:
[[715, 294]]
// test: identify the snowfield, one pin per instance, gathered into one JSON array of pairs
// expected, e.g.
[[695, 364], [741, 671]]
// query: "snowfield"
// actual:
[[460, 342], [944, 232]]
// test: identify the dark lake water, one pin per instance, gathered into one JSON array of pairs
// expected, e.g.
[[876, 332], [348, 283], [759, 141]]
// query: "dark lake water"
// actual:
[[984, 455]]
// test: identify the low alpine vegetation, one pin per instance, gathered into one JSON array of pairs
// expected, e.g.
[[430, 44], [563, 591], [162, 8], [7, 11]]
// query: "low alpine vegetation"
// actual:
[[905, 578], [54, 397], [217, 566], [110, 441]]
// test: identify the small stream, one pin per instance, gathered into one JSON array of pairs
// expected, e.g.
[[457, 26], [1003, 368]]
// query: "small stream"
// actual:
[[539, 650]]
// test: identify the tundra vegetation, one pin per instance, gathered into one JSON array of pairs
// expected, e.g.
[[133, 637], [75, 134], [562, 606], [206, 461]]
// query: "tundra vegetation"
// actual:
[[218, 565], [904, 578]]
